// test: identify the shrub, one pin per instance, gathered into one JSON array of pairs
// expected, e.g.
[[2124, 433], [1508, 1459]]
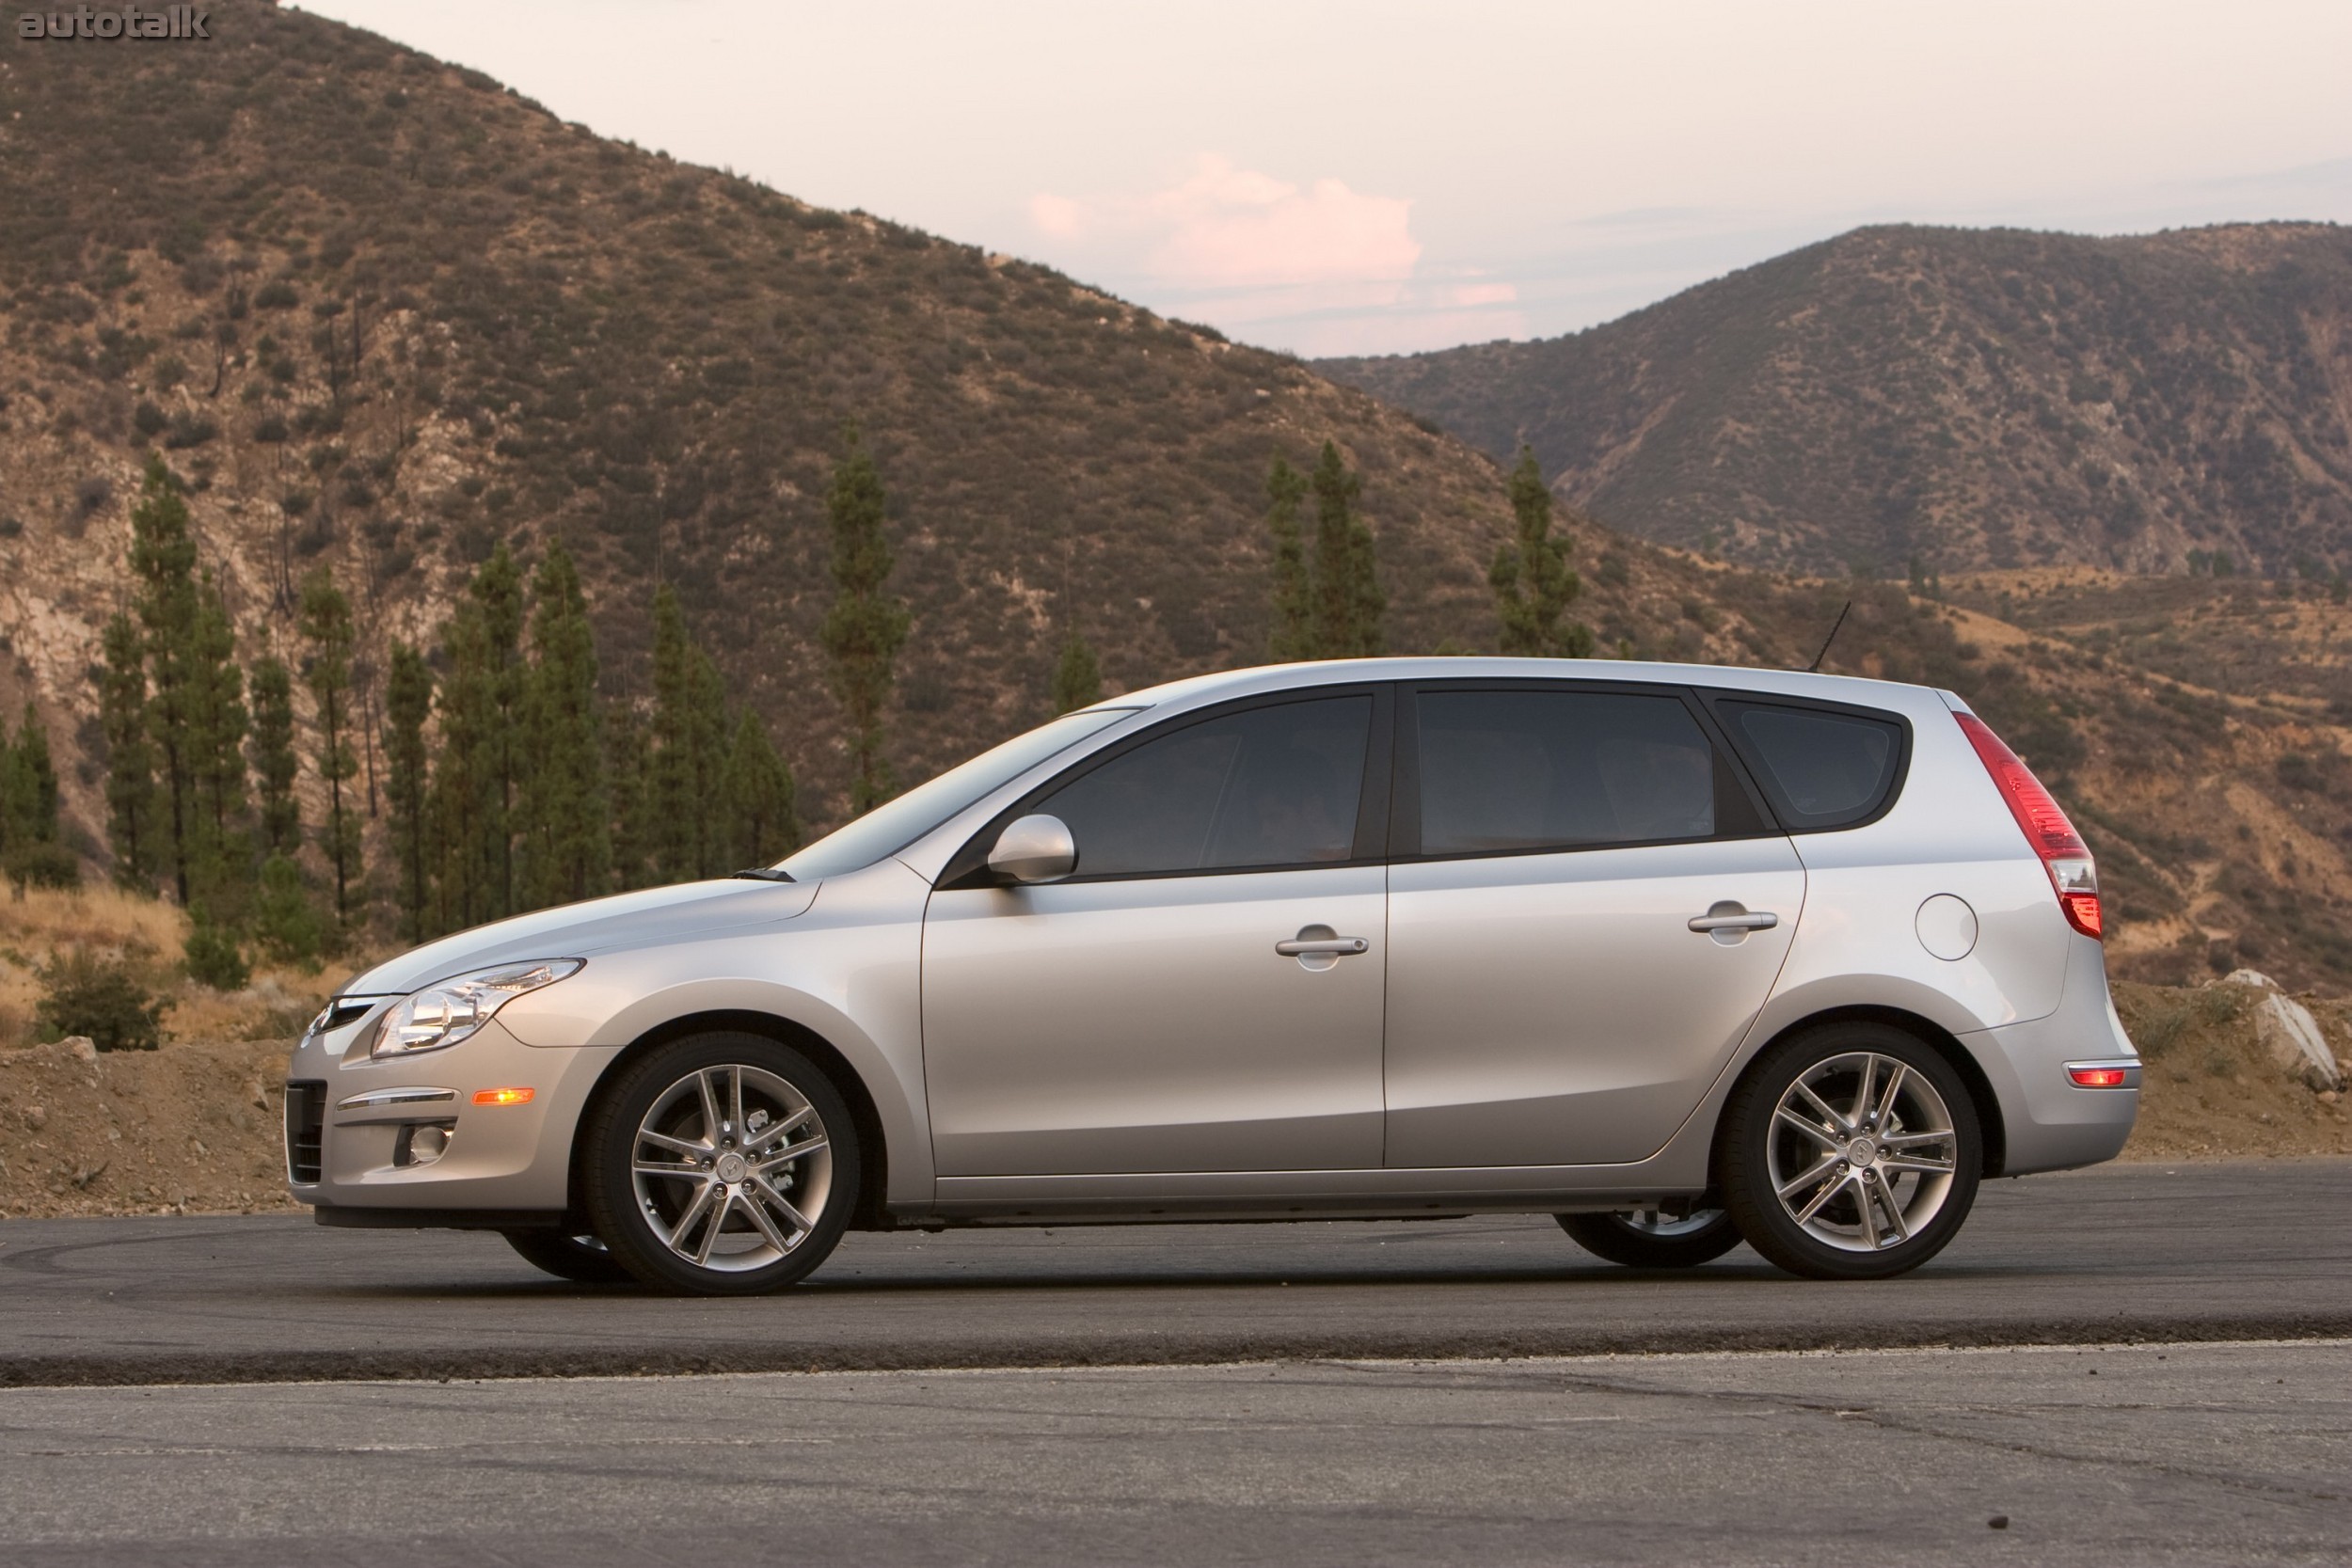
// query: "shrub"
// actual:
[[284, 921], [101, 998], [38, 865], [211, 958]]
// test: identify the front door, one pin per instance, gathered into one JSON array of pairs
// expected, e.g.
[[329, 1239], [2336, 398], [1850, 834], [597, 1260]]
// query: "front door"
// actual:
[[1138, 1017], [1549, 1001]]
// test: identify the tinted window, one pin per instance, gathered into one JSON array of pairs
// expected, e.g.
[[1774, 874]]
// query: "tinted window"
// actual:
[[1504, 771], [1265, 786], [1821, 769]]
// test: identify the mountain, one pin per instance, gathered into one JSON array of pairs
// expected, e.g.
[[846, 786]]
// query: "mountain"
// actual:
[[1969, 399], [384, 314]]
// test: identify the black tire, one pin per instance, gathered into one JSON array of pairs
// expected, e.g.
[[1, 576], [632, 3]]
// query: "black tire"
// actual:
[[1746, 1153], [582, 1259], [627, 1221], [1620, 1239]]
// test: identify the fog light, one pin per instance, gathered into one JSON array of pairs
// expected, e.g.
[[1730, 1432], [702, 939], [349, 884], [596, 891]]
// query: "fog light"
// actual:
[[502, 1096], [421, 1143], [2096, 1077]]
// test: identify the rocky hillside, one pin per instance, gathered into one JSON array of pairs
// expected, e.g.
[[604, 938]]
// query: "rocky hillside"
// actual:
[[382, 313], [1969, 399]]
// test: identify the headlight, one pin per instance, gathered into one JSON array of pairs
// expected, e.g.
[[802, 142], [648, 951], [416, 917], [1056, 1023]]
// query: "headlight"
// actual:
[[447, 1013]]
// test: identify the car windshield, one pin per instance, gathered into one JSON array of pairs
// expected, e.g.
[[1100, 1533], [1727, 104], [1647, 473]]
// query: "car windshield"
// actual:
[[897, 823]]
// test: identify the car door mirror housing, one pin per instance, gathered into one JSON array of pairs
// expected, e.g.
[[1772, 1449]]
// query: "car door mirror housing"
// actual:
[[1034, 849]]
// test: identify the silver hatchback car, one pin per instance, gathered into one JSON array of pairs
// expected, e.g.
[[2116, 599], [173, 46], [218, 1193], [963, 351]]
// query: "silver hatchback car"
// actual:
[[1684, 956]]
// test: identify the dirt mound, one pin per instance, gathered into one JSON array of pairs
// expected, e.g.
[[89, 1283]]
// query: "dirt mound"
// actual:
[[193, 1127], [2212, 1089]]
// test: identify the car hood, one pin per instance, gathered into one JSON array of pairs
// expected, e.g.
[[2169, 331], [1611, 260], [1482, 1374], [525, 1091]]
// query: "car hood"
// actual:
[[582, 930]]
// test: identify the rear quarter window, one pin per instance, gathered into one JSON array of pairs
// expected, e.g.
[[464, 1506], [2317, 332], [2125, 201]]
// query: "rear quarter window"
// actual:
[[1820, 768]]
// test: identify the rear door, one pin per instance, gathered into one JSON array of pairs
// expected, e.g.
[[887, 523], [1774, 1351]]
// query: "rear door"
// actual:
[[1588, 908]]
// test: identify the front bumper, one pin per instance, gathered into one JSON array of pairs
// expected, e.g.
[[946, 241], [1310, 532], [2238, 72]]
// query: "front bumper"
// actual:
[[374, 1148]]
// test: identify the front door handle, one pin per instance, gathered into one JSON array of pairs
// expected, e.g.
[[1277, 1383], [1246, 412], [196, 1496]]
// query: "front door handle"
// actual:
[[1294, 947], [1730, 916]]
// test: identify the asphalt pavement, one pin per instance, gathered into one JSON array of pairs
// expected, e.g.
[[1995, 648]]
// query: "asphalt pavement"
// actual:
[[2152, 1455], [2119, 1254]]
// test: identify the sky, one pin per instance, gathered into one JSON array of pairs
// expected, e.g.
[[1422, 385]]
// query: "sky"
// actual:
[[1378, 177]]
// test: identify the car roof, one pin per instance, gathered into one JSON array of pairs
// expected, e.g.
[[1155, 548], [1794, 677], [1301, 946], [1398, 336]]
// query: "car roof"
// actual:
[[1198, 690]]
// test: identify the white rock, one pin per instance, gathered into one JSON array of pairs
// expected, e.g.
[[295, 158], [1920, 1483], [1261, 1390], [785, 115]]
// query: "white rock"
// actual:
[[82, 1046], [2289, 1032]]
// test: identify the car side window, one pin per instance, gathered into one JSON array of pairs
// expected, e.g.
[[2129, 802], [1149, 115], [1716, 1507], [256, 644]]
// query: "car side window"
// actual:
[[1823, 770], [1265, 786], [1504, 771]]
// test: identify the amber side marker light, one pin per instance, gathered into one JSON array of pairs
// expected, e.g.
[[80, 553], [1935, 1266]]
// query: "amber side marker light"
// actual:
[[2096, 1077], [502, 1096]]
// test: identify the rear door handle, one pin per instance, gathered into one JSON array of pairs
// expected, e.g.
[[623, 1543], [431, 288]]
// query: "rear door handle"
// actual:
[[1729, 916], [1292, 948]]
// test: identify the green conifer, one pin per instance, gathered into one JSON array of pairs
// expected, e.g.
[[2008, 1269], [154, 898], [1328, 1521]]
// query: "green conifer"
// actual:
[[131, 829], [1077, 675], [865, 627], [498, 589], [28, 785], [1347, 601], [565, 814], [284, 920], [163, 559], [684, 809], [326, 619], [271, 750], [1293, 634], [763, 823], [1531, 577], [216, 747], [456, 827], [625, 767], [408, 703]]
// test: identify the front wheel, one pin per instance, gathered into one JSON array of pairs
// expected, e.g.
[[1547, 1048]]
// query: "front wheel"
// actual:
[[1654, 1238], [1850, 1152], [721, 1165]]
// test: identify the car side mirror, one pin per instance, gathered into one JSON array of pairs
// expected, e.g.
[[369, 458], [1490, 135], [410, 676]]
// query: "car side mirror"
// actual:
[[1034, 849]]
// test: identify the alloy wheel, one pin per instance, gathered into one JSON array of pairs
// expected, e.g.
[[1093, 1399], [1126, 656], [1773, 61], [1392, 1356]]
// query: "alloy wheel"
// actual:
[[1862, 1151], [731, 1167]]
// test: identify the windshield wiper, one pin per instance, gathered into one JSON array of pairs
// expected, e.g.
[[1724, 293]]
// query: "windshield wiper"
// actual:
[[763, 874]]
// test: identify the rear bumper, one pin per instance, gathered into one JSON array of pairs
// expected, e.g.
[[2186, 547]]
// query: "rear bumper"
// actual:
[[2049, 1123]]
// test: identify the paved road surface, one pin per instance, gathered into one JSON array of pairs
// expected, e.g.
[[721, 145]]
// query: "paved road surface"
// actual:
[[2150, 1455], [2120, 1253]]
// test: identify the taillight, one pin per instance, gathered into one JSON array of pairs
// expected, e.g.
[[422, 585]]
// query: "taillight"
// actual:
[[2045, 827]]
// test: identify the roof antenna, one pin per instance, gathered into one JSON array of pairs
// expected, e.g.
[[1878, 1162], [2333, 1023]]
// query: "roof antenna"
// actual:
[[1835, 625]]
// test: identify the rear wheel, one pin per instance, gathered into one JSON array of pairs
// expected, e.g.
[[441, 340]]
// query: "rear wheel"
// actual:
[[582, 1259], [1850, 1152], [721, 1165], [1655, 1238]]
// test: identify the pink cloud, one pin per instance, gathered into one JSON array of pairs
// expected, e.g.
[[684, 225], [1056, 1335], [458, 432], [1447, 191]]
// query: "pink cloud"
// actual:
[[1223, 227]]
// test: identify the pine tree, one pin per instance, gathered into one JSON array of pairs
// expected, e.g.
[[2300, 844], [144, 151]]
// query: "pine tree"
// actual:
[[408, 703], [163, 559], [1077, 675], [498, 589], [688, 751], [326, 618], [625, 765], [456, 818], [28, 785], [271, 750], [567, 814], [1531, 577], [1293, 637], [865, 627], [131, 829], [216, 746], [763, 826], [1347, 601]]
